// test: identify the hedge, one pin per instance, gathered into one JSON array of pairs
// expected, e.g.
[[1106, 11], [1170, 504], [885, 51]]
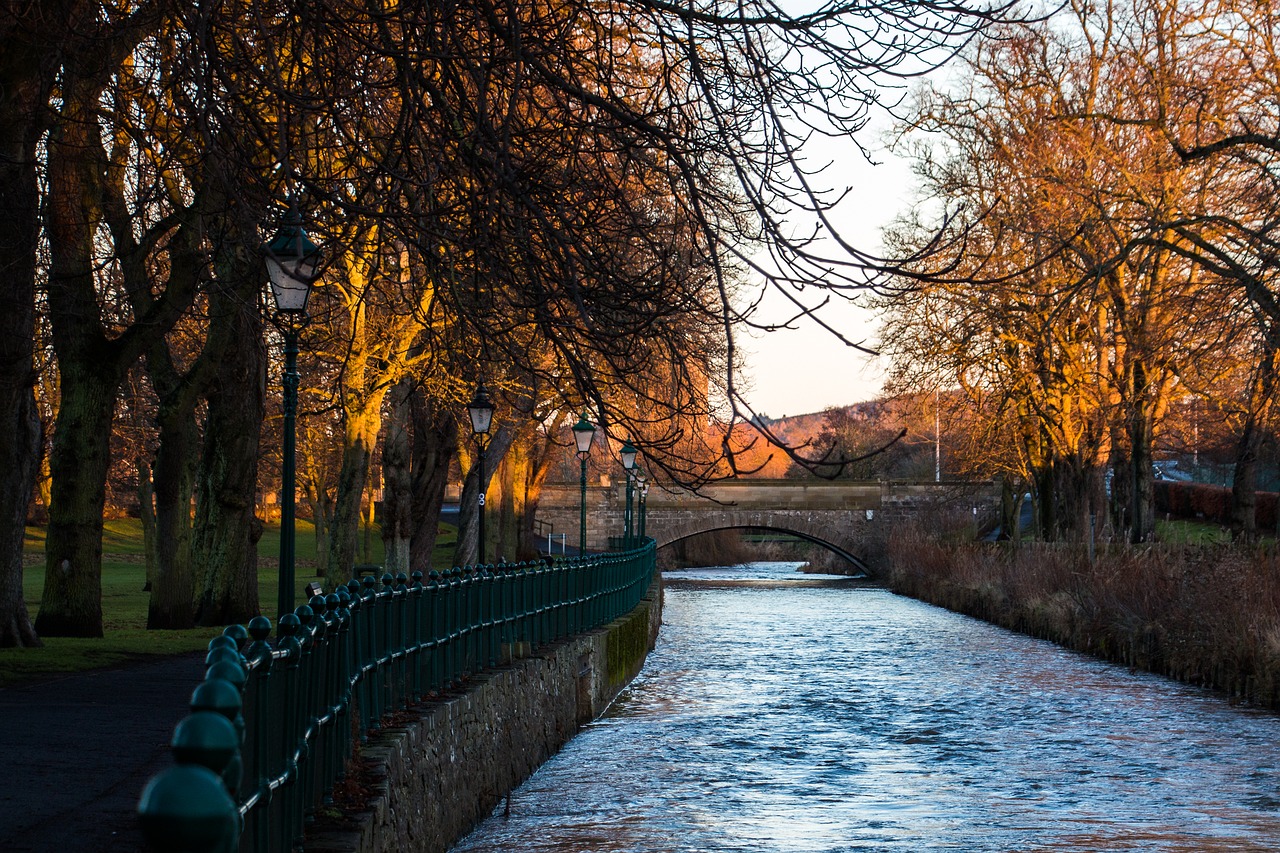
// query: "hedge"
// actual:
[[1211, 503]]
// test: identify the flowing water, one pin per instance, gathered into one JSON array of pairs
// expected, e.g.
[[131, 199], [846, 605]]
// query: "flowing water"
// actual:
[[780, 713]]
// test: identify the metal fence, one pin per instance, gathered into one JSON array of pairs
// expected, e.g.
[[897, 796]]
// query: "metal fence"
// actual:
[[272, 726]]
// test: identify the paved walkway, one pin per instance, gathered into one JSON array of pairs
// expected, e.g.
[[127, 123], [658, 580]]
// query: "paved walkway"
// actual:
[[75, 753]]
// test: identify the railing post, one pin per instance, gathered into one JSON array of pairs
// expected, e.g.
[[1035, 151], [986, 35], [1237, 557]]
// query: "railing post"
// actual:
[[523, 598], [259, 656], [468, 620], [358, 642], [416, 592], [287, 641], [401, 679], [453, 615], [488, 652], [186, 808], [562, 598], [438, 630], [502, 610], [550, 600], [540, 603], [330, 673], [343, 698], [313, 666], [191, 806], [222, 697], [368, 629], [581, 577]]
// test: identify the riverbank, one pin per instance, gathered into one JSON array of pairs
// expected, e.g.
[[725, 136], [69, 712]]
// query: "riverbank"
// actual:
[[1203, 614], [425, 779], [848, 718]]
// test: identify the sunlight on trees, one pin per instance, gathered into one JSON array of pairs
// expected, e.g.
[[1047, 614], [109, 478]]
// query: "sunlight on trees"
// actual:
[[564, 199], [1106, 251]]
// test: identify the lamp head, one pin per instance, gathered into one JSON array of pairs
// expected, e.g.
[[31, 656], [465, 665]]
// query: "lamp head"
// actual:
[[628, 454], [583, 433], [480, 409], [293, 264]]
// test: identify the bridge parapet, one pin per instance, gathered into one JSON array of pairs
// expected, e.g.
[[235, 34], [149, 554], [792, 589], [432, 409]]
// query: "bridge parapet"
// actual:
[[775, 494], [839, 514]]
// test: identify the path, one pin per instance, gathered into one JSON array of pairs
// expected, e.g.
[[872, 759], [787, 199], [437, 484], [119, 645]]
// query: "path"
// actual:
[[76, 751]]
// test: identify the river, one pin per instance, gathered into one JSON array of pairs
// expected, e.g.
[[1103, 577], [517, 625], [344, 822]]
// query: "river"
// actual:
[[780, 712]]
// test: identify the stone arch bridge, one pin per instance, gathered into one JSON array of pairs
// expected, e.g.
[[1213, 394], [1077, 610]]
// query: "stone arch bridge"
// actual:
[[847, 517]]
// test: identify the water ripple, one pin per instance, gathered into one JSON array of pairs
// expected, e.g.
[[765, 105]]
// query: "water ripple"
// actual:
[[816, 718]]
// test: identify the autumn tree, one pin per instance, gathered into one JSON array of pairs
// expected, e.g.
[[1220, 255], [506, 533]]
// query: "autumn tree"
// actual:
[[590, 181], [1068, 287], [109, 298], [34, 39]]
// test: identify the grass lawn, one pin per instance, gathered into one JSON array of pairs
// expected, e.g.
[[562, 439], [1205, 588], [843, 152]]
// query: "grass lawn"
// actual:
[[1181, 531], [124, 603]]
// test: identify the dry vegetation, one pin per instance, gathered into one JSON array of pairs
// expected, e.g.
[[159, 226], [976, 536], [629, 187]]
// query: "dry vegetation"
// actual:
[[1207, 615]]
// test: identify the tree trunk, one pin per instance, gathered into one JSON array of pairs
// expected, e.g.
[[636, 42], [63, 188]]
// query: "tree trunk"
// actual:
[[1010, 503], [20, 441], [227, 530], [468, 546], [538, 458], [147, 515], [1121, 464], [20, 434], [370, 507], [1141, 441], [361, 433], [72, 602], [90, 373], [1046, 498], [173, 597], [1244, 486], [44, 482], [435, 440], [318, 499], [505, 499], [397, 478]]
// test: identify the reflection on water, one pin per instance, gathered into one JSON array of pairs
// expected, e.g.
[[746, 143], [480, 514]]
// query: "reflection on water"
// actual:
[[780, 716]]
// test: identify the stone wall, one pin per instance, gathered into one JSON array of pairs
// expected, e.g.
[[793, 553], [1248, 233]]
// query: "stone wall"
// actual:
[[841, 514], [443, 771]]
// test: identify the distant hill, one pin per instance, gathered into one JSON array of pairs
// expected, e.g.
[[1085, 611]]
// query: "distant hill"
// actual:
[[862, 428], [795, 429]]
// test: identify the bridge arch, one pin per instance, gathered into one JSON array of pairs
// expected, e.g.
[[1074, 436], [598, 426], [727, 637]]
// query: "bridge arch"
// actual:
[[847, 517], [847, 540]]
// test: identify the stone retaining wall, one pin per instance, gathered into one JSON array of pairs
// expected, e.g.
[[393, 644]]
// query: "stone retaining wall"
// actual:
[[445, 770]]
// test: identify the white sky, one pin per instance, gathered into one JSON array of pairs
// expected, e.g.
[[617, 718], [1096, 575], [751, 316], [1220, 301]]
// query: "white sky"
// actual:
[[794, 372]]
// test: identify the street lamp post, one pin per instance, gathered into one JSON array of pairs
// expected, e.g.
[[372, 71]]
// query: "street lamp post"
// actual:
[[643, 480], [628, 454], [293, 264], [583, 433], [480, 410]]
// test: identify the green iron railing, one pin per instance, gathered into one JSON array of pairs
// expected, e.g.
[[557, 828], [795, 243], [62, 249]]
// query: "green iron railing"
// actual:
[[271, 726]]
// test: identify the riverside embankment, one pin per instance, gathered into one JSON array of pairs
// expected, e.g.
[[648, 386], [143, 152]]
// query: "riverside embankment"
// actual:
[[1208, 615], [440, 768], [782, 713]]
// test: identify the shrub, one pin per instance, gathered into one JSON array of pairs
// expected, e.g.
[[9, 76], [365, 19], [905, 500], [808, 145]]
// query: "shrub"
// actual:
[[1212, 503], [1205, 615]]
